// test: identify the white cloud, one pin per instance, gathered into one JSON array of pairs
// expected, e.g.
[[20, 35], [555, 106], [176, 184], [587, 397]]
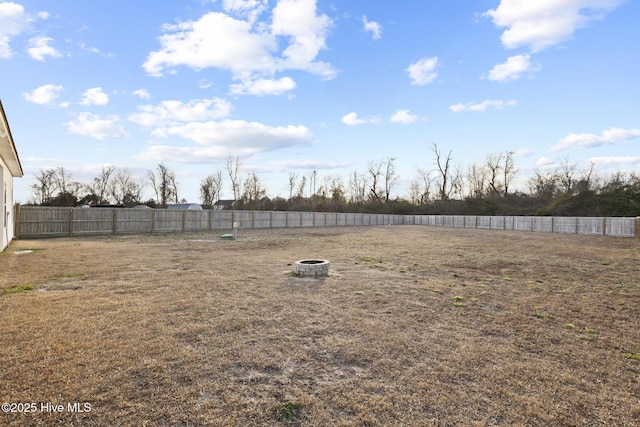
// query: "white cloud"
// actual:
[[403, 116], [216, 140], [215, 40], [94, 96], [249, 9], [543, 23], [545, 162], [39, 48], [373, 27], [173, 112], [522, 152], [238, 133], [43, 95], [142, 94], [482, 106], [13, 21], [587, 140], [307, 31], [615, 160], [94, 126], [513, 68], [352, 119], [423, 71], [262, 87], [307, 164], [249, 49]]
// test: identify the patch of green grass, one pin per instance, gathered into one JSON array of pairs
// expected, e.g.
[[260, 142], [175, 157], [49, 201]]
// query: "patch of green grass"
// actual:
[[18, 289], [590, 331], [373, 262], [457, 301], [631, 356], [287, 411], [569, 326], [541, 315]]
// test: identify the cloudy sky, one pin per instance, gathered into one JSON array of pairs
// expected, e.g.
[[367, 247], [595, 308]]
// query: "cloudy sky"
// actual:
[[318, 85]]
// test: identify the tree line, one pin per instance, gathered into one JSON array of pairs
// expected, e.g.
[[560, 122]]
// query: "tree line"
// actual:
[[484, 188]]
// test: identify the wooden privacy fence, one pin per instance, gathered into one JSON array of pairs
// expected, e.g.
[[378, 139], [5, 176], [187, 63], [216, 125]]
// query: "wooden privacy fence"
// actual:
[[37, 221]]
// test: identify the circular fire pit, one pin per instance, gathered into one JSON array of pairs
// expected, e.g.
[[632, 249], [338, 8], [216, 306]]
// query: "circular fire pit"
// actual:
[[311, 268]]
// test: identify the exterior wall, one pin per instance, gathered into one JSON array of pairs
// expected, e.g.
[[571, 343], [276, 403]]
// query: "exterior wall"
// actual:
[[6, 200]]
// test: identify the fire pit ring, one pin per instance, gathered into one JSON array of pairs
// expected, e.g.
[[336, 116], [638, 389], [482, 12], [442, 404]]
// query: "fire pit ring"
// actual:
[[311, 268]]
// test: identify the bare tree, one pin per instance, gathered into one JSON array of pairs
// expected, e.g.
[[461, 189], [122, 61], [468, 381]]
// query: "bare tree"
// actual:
[[100, 186], [253, 191], [45, 187], [210, 188], [375, 172], [357, 187], [509, 171], [476, 176], [544, 184], [301, 186], [336, 189], [313, 176], [66, 186], [427, 181], [232, 165], [444, 168], [124, 189], [493, 165], [390, 177], [567, 175], [163, 182], [292, 184]]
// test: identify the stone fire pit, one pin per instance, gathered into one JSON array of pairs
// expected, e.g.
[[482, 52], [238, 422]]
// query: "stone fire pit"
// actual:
[[311, 268]]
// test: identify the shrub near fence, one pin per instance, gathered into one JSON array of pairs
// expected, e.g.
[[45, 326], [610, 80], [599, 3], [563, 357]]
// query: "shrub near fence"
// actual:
[[38, 221]]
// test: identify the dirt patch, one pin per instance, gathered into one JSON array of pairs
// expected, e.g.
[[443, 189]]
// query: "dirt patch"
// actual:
[[413, 326]]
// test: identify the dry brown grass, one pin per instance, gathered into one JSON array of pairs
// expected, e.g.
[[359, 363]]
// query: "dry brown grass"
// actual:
[[415, 326]]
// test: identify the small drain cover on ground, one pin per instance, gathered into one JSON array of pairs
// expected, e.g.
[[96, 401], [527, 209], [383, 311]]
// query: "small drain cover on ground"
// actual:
[[311, 268]]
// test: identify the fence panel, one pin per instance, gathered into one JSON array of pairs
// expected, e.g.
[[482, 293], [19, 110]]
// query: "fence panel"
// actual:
[[167, 221], [542, 224], [496, 222], [279, 219], [221, 220], [92, 221], [41, 221], [621, 227], [195, 220], [262, 219], [306, 219], [522, 223], [131, 220]]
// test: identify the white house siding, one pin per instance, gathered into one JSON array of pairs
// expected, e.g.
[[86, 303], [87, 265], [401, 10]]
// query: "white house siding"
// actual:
[[6, 198], [9, 168]]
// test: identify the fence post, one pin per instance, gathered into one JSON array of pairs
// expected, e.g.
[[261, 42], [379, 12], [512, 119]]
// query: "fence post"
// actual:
[[577, 226], [636, 229], [604, 226], [114, 217], [153, 220], [70, 221]]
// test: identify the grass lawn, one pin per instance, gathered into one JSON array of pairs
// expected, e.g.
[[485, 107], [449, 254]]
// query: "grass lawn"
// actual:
[[415, 326]]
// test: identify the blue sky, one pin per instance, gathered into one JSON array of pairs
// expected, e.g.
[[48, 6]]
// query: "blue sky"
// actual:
[[314, 85]]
